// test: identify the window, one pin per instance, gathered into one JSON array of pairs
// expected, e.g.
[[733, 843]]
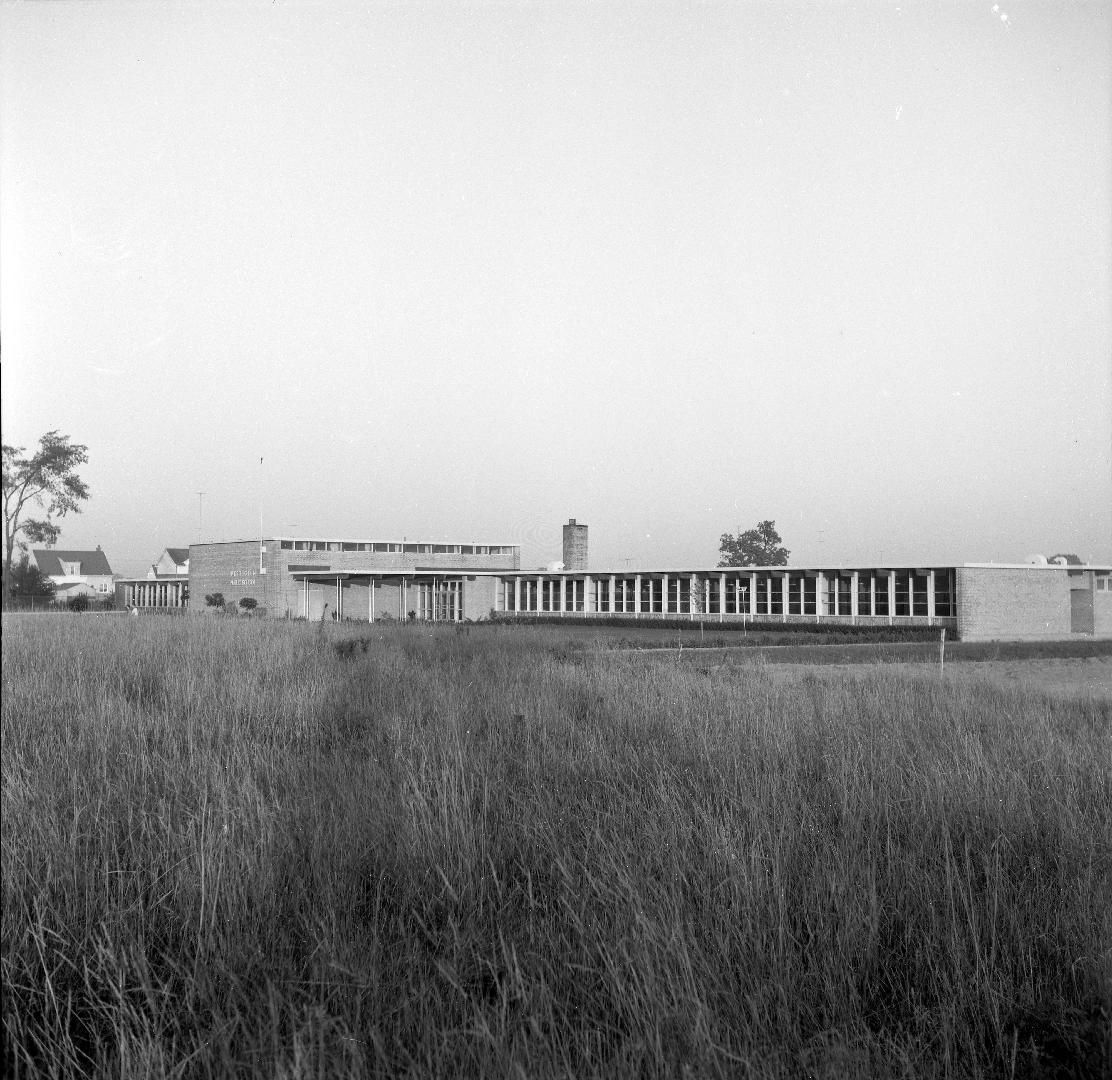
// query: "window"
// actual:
[[762, 605], [795, 595], [350, 547], [864, 594], [903, 592], [287, 545], [881, 596], [776, 594], [943, 594], [919, 594]]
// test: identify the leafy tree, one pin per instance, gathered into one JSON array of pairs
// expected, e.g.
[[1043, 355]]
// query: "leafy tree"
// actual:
[[27, 580], [761, 546], [80, 602], [1071, 560], [46, 480], [214, 599], [248, 603]]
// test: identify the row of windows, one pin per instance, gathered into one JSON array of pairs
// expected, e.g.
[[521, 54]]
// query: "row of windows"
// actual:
[[413, 549], [878, 594]]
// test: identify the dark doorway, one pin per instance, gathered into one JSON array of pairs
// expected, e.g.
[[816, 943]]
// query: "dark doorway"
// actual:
[[1081, 608]]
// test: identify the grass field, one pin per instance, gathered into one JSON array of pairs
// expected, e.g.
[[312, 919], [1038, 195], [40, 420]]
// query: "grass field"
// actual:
[[241, 847]]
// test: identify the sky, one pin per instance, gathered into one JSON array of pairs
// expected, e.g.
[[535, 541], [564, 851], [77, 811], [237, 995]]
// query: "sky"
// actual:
[[459, 272]]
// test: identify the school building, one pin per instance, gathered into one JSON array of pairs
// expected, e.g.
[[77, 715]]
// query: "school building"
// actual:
[[295, 577]]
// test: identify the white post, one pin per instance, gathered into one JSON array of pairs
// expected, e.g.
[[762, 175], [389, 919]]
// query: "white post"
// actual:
[[637, 594], [664, 595]]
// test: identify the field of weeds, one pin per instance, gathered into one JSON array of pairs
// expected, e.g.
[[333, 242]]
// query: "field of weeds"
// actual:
[[267, 849]]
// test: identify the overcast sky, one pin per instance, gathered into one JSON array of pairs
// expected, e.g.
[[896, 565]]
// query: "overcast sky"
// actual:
[[462, 271]]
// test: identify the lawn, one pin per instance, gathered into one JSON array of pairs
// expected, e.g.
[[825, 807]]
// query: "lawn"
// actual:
[[279, 849]]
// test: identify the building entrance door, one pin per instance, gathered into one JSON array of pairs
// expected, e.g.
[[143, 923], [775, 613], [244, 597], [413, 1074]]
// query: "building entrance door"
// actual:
[[440, 600], [1081, 611]]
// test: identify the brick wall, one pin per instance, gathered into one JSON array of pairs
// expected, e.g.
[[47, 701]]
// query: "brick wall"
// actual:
[[232, 569], [1008, 602], [575, 546]]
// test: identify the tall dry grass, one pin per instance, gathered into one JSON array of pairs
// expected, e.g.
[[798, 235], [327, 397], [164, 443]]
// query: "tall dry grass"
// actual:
[[229, 849]]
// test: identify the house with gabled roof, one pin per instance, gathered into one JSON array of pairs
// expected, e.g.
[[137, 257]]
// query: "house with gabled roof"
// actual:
[[75, 573], [173, 562]]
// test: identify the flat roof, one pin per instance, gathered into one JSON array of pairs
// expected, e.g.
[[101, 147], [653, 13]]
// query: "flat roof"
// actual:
[[1037, 566], [318, 539], [633, 571]]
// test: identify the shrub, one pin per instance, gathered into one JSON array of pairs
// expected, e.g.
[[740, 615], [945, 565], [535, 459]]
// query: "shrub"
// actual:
[[78, 603]]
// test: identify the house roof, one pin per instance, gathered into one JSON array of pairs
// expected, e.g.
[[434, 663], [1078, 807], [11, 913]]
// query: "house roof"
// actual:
[[49, 561], [179, 555]]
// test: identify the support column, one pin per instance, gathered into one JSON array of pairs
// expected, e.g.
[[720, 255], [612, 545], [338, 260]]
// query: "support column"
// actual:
[[637, 594], [722, 597], [891, 596], [753, 595], [563, 595], [784, 594], [854, 607], [305, 596], [664, 595], [610, 597], [930, 597], [692, 591], [820, 596], [586, 593], [517, 594]]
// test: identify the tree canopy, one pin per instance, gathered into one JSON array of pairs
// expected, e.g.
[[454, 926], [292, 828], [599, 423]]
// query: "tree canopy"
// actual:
[[27, 580], [760, 546], [45, 481]]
